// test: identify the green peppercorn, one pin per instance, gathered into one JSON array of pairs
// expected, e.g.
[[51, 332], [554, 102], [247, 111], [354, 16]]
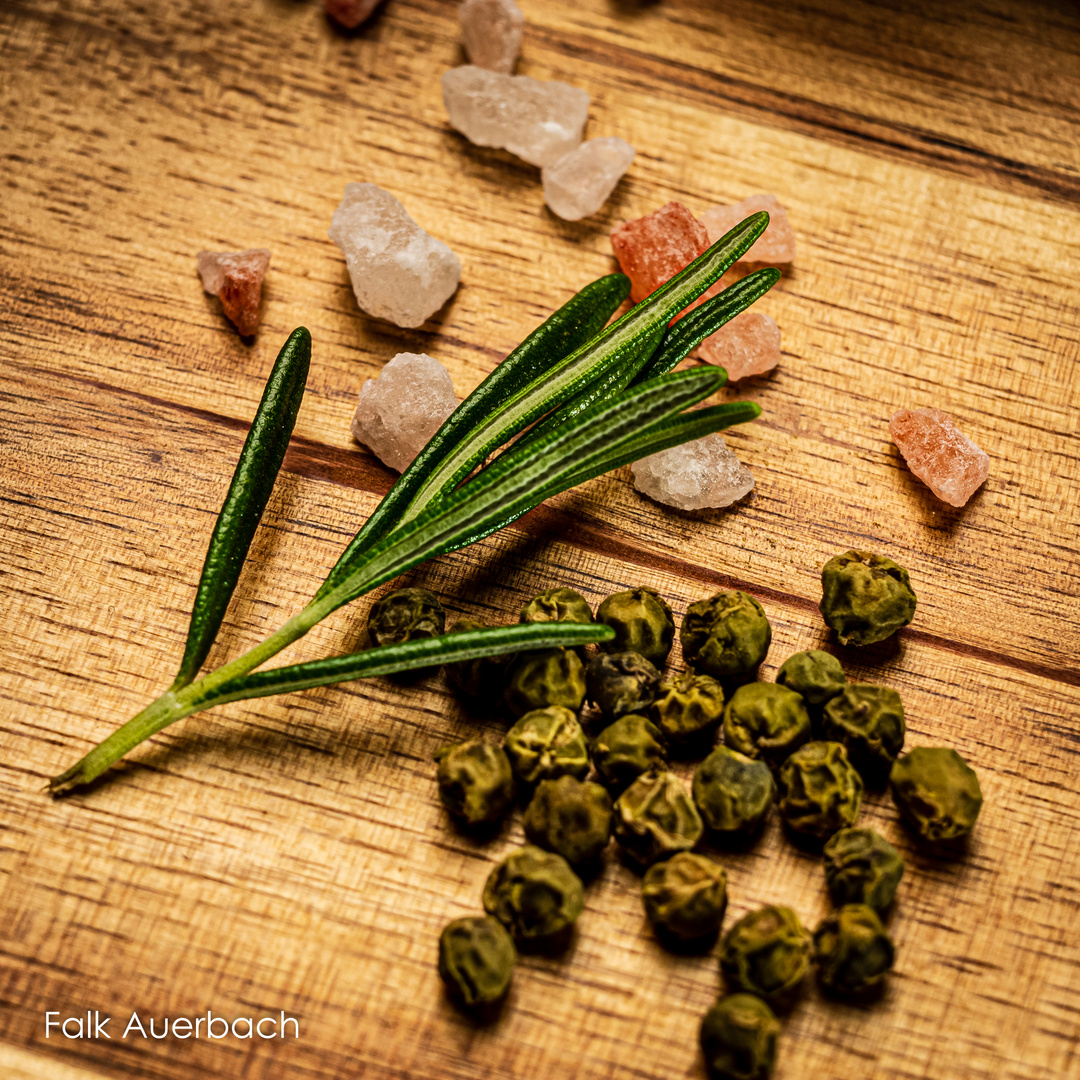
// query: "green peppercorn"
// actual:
[[476, 960], [767, 952], [733, 792], [862, 867], [642, 622], [738, 1038], [536, 680], [569, 817], [482, 677], [763, 720], [685, 896], [626, 749], [726, 636], [865, 597], [937, 792], [557, 605], [405, 615], [689, 706], [852, 949], [621, 683], [869, 721], [814, 675], [820, 790], [655, 817], [475, 781], [546, 744], [533, 893]]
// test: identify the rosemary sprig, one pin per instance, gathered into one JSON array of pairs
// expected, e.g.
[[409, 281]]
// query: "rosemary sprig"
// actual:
[[610, 410]]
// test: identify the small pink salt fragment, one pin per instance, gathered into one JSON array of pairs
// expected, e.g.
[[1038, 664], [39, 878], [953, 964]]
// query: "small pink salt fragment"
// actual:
[[350, 13], [748, 345], [939, 453], [654, 248], [491, 33], [775, 245], [236, 277]]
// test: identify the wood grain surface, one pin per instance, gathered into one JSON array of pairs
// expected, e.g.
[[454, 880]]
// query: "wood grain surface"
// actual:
[[291, 854]]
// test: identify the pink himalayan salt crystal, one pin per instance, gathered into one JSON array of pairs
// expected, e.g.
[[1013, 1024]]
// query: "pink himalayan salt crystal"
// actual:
[[654, 248], [695, 475], [236, 277], [399, 412], [491, 32], [775, 245], [748, 345], [939, 453], [580, 183], [538, 121], [350, 13], [398, 271]]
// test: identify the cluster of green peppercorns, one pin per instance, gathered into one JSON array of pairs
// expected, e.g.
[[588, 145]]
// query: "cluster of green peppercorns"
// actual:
[[807, 743]]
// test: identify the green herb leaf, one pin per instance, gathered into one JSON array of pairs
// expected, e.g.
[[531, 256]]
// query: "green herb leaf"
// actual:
[[249, 492]]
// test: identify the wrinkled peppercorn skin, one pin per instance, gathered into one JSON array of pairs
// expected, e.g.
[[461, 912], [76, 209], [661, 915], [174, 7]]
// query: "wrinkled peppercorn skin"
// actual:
[[688, 706], [476, 960], [476, 784], [738, 1038], [763, 720], [624, 750], [655, 817], [685, 896], [536, 680], [862, 867], [642, 622], [814, 675], [569, 817], [621, 683], [767, 952], [865, 597], [820, 790], [869, 721], [732, 792], [546, 744], [533, 893], [557, 605], [726, 636], [852, 950], [405, 615], [937, 792]]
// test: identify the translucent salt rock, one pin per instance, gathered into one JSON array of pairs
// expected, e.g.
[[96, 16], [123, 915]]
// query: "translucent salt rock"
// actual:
[[939, 453], [491, 32], [538, 121], [695, 475], [398, 271], [748, 345], [580, 183], [236, 277], [399, 412], [775, 245], [351, 13], [654, 248]]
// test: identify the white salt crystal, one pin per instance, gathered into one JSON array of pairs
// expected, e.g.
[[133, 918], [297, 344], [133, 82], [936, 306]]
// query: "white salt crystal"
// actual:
[[775, 245], [580, 183], [398, 271], [693, 476], [540, 122], [491, 32], [399, 412], [748, 345]]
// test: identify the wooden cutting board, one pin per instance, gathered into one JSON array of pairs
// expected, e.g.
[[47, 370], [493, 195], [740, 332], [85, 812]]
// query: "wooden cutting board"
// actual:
[[289, 856]]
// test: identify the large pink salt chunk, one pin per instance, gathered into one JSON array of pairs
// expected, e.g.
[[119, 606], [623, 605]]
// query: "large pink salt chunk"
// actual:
[[236, 277], [748, 345], [654, 248], [775, 245], [491, 33], [351, 13], [939, 453]]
